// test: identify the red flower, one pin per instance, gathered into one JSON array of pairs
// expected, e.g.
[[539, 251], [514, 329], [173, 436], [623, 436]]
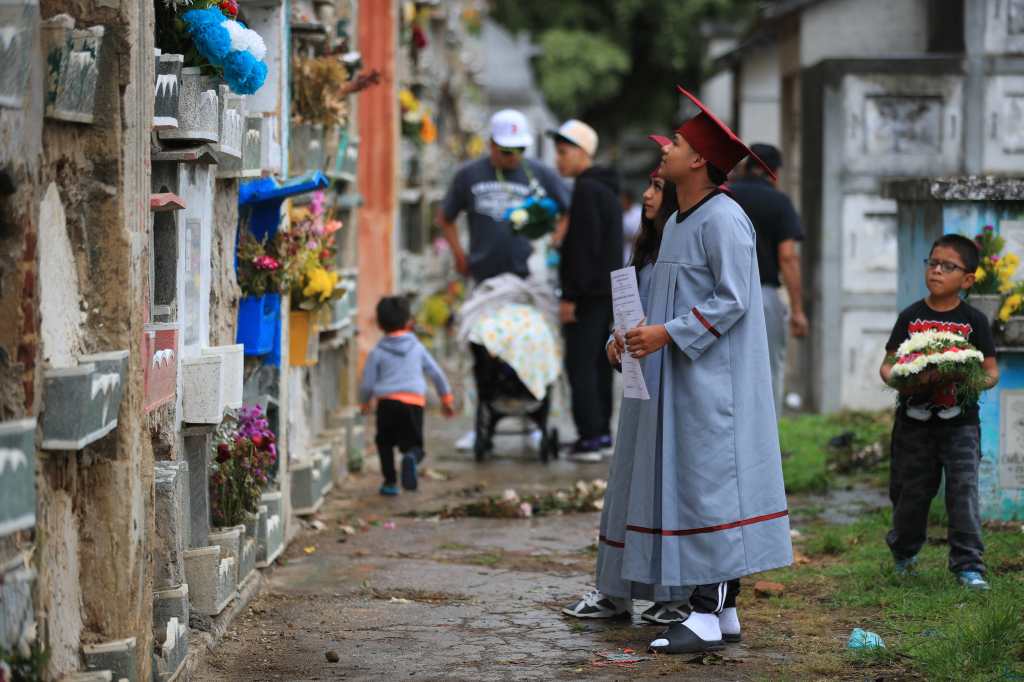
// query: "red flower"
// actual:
[[257, 440], [229, 7], [325, 254], [223, 453], [419, 38]]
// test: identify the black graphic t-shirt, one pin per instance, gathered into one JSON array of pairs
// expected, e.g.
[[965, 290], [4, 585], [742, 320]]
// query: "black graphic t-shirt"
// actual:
[[939, 402]]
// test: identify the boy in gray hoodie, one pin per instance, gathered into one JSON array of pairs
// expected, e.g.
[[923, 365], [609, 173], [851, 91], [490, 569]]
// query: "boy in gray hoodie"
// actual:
[[393, 375]]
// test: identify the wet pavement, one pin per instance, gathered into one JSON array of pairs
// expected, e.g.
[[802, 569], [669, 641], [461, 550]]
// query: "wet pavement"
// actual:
[[463, 599]]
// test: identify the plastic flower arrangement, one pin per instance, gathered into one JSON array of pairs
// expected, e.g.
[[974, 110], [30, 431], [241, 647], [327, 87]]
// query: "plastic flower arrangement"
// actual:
[[995, 272], [534, 218], [244, 457], [942, 355], [417, 123], [1012, 303], [261, 270], [309, 246], [320, 86], [228, 45]]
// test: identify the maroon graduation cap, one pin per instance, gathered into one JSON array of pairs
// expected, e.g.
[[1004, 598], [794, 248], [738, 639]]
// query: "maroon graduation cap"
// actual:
[[713, 140], [661, 141]]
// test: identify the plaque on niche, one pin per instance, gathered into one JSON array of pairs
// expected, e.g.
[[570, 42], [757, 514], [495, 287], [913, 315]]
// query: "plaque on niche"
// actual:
[[1015, 17], [1011, 445], [896, 124], [1012, 136], [17, 20]]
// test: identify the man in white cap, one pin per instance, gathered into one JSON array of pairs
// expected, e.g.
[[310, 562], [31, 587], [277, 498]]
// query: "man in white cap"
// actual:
[[485, 189], [591, 249]]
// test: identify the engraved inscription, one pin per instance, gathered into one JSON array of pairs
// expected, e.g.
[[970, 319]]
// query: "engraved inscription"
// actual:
[[1011, 447], [902, 125]]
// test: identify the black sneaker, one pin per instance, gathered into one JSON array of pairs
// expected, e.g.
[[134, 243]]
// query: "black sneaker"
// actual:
[[586, 450], [666, 613], [409, 480], [596, 605]]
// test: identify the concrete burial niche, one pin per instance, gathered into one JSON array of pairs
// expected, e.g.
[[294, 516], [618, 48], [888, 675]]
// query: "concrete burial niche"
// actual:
[[198, 109], [231, 122], [202, 389], [17, 616], [167, 90], [117, 656], [270, 543], [17, 20], [172, 603], [306, 148], [1004, 124], [171, 522], [17, 475], [81, 403], [233, 357], [248, 166], [72, 68], [230, 542], [929, 208], [211, 580], [171, 653], [198, 442], [160, 364], [306, 488]]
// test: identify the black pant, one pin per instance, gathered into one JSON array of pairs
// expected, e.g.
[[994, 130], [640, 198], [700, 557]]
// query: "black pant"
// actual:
[[586, 363], [398, 425], [714, 597], [921, 453]]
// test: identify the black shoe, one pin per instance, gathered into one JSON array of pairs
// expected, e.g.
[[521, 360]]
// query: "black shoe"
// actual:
[[409, 480], [679, 639]]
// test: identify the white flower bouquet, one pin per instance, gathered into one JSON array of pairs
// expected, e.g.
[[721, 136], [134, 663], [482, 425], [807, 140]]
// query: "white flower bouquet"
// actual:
[[938, 357]]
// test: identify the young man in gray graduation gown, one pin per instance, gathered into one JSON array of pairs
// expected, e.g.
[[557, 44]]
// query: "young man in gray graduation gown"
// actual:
[[703, 502]]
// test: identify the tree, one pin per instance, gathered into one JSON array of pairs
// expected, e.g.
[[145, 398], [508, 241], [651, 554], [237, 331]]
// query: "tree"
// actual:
[[615, 63]]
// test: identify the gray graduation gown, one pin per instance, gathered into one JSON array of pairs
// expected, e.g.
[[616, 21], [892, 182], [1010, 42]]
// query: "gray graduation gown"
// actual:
[[696, 494]]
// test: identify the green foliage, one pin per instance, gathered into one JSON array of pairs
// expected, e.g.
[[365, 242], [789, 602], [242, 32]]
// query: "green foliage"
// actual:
[[26, 668], [579, 70], [804, 440], [615, 63]]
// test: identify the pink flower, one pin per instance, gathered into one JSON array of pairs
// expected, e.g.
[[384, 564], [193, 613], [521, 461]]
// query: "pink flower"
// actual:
[[994, 259], [332, 226], [311, 244], [316, 204], [266, 263], [988, 228]]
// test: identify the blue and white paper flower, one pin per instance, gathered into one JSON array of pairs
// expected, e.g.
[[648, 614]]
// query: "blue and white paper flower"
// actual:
[[230, 45]]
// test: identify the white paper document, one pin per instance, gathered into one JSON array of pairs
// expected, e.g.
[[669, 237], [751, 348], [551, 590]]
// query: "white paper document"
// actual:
[[629, 312]]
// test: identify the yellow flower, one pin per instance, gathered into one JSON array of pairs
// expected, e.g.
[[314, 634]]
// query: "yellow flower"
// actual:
[[408, 100], [1011, 305], [980, 274], [319, 284]]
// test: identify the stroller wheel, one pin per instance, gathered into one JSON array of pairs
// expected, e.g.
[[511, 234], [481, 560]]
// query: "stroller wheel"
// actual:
[[553, 444], [479, 448]]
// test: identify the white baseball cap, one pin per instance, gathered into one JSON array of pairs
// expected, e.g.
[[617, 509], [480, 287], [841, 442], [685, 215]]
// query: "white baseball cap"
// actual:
[[509, 128], [579, 134]]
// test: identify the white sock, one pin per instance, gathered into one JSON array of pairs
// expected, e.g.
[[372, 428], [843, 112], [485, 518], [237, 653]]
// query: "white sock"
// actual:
[[704, 625], [729, 621]]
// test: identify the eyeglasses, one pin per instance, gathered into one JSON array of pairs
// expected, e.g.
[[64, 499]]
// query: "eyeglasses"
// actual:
[[944, 265], [511, 151]]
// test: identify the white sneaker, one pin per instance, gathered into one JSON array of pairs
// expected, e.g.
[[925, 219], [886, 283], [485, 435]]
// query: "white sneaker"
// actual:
[[596, 605], [467, 441], [729, 623]]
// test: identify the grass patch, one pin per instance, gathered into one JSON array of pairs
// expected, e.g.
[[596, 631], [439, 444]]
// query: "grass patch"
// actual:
[[931, 626], [804, 440]]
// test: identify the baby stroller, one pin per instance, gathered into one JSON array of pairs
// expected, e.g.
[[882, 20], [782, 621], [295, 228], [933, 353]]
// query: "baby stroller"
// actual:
[[511, 327], [501, 394]]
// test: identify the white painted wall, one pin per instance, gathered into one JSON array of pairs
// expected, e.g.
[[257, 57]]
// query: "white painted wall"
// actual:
[[60, 302], [862, 28], [717, 91], [760, 87]]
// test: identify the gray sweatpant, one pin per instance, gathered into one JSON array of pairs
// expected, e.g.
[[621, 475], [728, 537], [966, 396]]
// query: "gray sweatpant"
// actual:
[[776, 320]]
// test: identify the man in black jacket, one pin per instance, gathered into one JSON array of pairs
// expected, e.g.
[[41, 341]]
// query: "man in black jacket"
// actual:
[[592, 248]]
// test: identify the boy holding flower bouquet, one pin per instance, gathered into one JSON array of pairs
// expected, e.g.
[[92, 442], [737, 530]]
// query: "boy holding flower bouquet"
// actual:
[[940, 357]]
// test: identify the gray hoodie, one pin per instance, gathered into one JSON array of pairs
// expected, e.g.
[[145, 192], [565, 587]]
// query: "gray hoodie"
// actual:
[[396, 365]]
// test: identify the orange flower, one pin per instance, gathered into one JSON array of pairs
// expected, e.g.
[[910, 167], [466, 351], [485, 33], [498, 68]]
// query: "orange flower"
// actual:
[[428, 131]]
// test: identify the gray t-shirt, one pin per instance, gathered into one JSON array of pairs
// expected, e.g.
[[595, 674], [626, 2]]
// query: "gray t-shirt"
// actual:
[[494, 249]]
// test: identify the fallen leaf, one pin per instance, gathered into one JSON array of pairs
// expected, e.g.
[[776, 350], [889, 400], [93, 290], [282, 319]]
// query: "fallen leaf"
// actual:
[[309, 550]]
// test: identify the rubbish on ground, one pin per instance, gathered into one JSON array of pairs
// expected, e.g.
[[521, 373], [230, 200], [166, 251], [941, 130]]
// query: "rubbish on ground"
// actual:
[[434, 475], [389, 525], [864, 639], [582, 497], [800, 559], [707, 658], [764, 589], [399, 600], [348, 530], [624, 657], [332, 656], [309, 550], [794, 533], [317, 524]]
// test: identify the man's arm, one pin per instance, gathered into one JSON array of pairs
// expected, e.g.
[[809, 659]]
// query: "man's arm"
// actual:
[[789, 268], [451, 235]]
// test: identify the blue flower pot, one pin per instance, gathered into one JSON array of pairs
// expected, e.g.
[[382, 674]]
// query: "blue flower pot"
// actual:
[[258, 319]]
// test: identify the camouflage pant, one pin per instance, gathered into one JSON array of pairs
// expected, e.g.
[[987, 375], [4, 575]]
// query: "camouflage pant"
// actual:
[[921, 453]]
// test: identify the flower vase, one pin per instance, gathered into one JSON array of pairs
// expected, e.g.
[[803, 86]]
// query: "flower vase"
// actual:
[[987, 304], [1013, 331], [303, 338], [257, 322]]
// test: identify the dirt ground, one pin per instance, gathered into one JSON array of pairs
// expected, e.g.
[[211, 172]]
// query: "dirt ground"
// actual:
[[480, 599]]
